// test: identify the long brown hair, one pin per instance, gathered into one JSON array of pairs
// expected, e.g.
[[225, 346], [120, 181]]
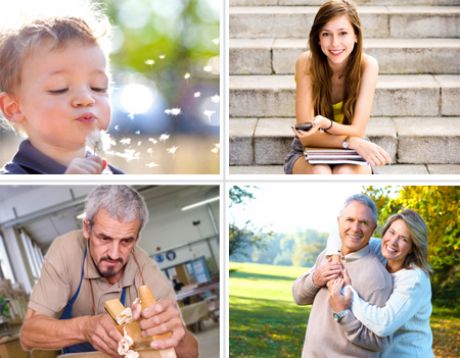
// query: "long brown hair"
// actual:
[[320, 70]]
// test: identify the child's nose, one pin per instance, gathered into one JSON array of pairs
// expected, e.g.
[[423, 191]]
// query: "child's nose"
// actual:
[[83, 98]]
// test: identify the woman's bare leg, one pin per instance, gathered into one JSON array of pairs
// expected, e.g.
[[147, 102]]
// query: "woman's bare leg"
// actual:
[[301, 166], [351, 169]]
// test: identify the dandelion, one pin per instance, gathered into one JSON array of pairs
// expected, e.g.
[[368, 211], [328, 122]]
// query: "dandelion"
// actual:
[[164, 137], [99, 141], [215, 98], [149, 62], [187, 75], [151, 165], [197, 94], [208, 114], [207, 68], [162, 57], [125, 141], [172, 150], [173, 111]]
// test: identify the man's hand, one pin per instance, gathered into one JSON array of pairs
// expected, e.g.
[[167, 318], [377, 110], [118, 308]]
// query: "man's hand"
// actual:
[[337, 301], [89, 165], [101, 332], [325, 272], [160, 318]]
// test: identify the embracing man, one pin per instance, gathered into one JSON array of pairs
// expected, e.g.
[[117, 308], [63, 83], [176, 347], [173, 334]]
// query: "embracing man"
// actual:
[[340, 334], [83, 269]]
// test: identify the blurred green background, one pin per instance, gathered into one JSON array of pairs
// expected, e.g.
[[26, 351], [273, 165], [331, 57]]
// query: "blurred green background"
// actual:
[[165, 93]]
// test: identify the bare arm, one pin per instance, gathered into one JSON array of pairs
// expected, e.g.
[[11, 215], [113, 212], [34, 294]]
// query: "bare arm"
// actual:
[[45, 332]]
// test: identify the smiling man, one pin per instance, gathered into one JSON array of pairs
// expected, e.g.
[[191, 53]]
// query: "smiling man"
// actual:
[[83, 269], [340, 334]]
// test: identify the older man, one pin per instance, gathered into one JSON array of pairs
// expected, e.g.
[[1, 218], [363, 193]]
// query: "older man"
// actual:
[[83, 269], [340, 334]]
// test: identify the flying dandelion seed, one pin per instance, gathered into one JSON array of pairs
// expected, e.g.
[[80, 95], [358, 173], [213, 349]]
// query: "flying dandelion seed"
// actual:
[[172, 150], [138, 132], [152, 140], [130, 154], [215, 41], [117, 127], [149, 62], [162, 57], [187, 75], [208, 114], [139, 143], [173, 111], [150, 150], [125, 141], [151, 165], [131, 115], [164, 137], [197, 94], [217, 145], [207, 68], [215, 150], [215, 98]]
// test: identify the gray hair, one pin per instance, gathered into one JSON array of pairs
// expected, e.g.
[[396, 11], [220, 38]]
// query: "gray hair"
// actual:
[[363, 199], [121, 202]]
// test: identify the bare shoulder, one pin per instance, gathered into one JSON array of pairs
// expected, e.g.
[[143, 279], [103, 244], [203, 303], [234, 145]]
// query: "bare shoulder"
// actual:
[[370, 64], [302, 64]]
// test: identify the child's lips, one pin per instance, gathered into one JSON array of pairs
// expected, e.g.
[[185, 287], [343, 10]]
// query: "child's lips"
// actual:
[[87, 118]]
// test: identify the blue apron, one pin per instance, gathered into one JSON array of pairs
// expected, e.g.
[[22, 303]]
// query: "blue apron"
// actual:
[[67, 314]]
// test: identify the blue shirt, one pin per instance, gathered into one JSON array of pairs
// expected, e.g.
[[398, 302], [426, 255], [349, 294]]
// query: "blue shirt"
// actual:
[[29, 160]]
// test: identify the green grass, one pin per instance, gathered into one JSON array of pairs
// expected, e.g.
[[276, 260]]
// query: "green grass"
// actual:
[[265, 321]]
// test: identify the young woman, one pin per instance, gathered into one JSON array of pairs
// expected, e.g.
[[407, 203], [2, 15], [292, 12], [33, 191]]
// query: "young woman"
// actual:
[[335, 85], [406, 314]]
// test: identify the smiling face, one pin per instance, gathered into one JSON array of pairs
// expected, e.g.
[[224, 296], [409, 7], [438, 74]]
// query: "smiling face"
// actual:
[[337, 39], [356, 225], [396, 244], [63, 94], [110, 243]]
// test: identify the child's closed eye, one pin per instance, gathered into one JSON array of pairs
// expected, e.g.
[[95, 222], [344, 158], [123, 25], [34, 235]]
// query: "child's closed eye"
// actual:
[[99, 89], [58, 91]]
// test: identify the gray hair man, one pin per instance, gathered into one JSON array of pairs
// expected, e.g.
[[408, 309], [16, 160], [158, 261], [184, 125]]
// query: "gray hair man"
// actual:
[[336, 334], [85, 268]]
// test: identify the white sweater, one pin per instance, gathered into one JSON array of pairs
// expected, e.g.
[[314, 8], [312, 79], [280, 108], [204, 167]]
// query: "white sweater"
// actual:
[[406, 314]]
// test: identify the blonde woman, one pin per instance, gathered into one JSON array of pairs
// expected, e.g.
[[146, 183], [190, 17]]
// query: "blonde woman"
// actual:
[[335, 86], [406, 314]]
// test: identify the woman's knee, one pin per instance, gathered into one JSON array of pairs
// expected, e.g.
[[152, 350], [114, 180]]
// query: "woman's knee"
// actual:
[[321, 169], [351, 169]]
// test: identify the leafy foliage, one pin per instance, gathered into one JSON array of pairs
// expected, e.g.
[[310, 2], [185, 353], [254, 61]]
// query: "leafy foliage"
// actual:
[[439, 207]]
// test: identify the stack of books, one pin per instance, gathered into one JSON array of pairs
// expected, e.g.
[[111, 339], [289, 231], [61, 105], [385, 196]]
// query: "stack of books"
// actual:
[[334, 156]]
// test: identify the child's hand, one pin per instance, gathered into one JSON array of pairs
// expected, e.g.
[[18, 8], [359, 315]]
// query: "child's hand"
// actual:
[[88, 165]]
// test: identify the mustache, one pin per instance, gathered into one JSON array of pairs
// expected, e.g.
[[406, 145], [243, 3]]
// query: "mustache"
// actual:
[[108, 258]]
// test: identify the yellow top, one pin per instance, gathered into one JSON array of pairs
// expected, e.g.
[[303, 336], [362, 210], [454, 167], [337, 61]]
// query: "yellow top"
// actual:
[[338, 112]]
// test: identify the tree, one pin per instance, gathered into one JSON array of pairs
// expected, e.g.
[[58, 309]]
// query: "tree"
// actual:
[[242, 240], [439, 207]]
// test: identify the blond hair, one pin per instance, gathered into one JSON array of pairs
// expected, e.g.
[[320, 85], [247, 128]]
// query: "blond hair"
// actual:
[[418, 236], [320, 70], [16, 45]]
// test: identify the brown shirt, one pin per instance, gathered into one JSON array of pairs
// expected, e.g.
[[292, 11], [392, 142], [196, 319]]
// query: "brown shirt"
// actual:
[[61, 275], [325, 337]]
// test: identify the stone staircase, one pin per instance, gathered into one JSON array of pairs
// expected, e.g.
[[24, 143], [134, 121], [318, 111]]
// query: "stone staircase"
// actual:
[[416, 110]]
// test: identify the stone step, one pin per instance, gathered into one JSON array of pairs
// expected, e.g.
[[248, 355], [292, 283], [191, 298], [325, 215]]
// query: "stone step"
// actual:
[[395, 56], [394, 169], [378, 21], [408, 140], [358, 2], [403, 95]]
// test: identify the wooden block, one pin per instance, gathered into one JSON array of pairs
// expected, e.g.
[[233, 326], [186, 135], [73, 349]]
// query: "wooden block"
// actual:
[[147, 299]]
